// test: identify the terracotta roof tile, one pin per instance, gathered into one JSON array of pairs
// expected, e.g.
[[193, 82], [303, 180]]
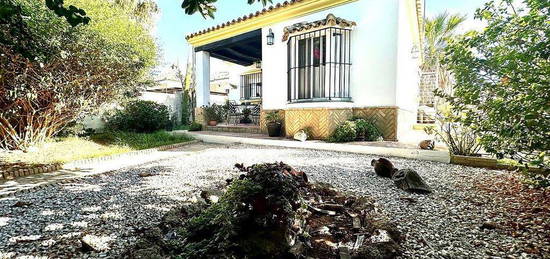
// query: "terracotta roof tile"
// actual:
[[243, 18]]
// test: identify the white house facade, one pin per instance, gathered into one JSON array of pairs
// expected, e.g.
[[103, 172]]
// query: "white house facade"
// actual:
[[320, 62]]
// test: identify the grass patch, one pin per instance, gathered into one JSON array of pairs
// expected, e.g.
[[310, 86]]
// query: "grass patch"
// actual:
[[64, 150], [138, 141]]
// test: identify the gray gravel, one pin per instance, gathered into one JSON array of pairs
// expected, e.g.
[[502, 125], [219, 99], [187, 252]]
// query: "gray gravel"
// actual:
[[106, 210]]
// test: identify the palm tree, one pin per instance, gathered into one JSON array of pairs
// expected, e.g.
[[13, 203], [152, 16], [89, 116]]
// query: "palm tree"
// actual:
[[437, 31]]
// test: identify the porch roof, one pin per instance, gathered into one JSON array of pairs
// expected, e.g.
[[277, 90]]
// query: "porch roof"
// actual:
[[267, 16], [243, 49]]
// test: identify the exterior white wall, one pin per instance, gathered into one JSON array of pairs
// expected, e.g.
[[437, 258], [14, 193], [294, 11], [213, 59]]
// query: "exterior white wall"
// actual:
[[172, 101], [374, 56], [407, 78]]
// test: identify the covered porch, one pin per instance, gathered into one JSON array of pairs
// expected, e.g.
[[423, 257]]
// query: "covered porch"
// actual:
[[244, 50]]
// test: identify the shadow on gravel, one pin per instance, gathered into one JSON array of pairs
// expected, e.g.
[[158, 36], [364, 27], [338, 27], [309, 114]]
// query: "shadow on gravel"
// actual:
[[96, 216]]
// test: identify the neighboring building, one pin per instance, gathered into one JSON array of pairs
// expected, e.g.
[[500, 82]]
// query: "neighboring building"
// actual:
[[222, 89], [324, 61]]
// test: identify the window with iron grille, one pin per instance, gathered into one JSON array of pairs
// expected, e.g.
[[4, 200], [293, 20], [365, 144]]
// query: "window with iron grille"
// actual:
[[426, 96], [251, 86], [319, 65]]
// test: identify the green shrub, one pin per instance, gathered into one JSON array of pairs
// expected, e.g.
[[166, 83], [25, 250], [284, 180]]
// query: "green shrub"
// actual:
[[273, 116], [140, 116], [345, 132], [366, 129], [195, 126], [213, 112]]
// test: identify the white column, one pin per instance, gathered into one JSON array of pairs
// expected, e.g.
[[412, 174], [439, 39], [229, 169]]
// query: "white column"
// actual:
[[202, 73]]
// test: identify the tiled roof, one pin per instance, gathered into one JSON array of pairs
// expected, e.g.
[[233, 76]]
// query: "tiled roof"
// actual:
[[330, 20], [244, 18]]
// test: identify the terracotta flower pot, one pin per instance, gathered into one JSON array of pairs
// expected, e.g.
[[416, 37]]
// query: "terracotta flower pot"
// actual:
[[212, 123]]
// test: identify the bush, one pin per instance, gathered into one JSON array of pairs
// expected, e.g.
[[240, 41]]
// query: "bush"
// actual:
[[367, 130], [140, 116], [345, 132], [460, 139], [501, 77], [195, 126], [213, 112]]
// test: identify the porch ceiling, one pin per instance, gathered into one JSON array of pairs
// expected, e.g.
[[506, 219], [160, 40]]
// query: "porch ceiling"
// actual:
[[243, 49]]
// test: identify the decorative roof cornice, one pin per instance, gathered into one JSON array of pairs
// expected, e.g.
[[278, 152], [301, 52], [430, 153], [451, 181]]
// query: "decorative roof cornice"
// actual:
[[329, 21]]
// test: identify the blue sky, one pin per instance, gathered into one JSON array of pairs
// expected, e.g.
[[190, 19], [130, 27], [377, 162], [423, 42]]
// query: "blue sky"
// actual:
[[173, 24]]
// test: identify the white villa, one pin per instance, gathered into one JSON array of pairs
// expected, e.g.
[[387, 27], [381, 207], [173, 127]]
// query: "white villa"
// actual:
[[320, 62]]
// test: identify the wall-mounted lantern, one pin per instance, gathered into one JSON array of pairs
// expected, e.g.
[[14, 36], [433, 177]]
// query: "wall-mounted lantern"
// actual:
[[270, 38], [258, 64]]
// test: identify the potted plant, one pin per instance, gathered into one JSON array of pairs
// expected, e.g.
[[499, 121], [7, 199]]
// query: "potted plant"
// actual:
[[273, 124], [212, 114], [246, 116]]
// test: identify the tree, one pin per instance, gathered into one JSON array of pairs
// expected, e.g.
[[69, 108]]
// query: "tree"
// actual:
[[52, 73], [437, 32], [503, 80], [76, 16]]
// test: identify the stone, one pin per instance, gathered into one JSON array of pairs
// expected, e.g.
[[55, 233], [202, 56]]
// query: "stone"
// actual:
[[488, 225], [20, 204], [383, 167], [145, 174], [427, 144], [410, 181], [301, 135]]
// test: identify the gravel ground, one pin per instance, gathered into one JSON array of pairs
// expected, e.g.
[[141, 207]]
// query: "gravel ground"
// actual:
[[106, 210]]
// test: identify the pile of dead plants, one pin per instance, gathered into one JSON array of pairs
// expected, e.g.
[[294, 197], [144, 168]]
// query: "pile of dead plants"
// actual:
[[271, 211]]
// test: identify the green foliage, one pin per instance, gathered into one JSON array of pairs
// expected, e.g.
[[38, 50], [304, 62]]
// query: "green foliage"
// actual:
[[367, 130], [214, 112], [345, 132], [250, 220], [195, 126], [139, 141], [438, 31], [52, 73], [460, 139], [273, 116], [502, 80], [140, 116], [185, 108], [73, 15], [206, 7]]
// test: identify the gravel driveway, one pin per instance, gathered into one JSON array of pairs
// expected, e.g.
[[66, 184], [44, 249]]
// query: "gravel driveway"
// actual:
[[107, 209]]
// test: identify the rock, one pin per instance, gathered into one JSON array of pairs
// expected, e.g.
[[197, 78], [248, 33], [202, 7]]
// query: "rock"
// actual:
[[145, 174], [86, 246], [488, 225], [20, 204], [301, 136], [383, 167], [410, 181], [427, 144]]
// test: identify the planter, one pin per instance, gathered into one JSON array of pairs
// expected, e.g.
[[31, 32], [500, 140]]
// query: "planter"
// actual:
[[212, 123], [274, 129]]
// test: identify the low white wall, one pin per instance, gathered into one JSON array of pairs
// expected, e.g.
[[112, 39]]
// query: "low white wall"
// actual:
[[172, 101]]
